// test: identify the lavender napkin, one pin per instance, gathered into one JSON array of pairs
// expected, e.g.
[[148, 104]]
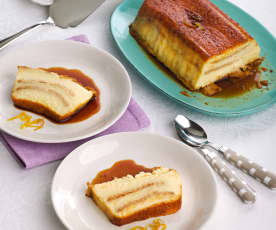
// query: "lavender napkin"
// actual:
[[32, 154]]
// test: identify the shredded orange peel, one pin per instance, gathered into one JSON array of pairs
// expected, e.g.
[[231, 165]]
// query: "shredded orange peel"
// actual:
[[157, 224], [37, 123]]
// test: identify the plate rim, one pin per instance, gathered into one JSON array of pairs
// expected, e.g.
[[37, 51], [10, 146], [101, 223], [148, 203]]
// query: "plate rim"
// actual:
[[244, 112], [142, 133], [77, 138]]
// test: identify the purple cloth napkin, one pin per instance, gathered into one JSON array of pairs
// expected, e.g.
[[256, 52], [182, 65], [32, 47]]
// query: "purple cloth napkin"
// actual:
[[32, 154]]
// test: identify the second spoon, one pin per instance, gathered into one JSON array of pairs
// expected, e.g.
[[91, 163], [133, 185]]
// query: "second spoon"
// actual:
[[197, 137]]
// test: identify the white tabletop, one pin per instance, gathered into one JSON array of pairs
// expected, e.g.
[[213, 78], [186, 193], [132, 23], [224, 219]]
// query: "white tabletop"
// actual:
[[25, 194]]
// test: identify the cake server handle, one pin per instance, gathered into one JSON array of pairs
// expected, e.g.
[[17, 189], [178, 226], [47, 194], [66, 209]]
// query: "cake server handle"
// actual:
[[6, 41], [238, 185], [251, 168]]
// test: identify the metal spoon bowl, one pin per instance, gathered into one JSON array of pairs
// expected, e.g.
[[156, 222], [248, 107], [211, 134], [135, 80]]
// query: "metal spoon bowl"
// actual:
[[194, 135]]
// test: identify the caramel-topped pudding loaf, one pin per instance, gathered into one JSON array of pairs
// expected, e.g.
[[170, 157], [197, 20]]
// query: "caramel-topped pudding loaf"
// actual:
[[197, 41], [136, 196], [55, 96]]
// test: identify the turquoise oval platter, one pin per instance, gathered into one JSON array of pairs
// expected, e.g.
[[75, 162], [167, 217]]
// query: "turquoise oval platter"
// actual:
[[247, 103]]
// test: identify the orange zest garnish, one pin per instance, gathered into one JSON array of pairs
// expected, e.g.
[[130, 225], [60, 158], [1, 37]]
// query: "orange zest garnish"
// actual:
[[37, 123], [138, 228], [157, 224]]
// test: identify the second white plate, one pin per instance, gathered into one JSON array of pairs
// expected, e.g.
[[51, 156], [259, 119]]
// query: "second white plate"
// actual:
[[77, 212], [107, 72]]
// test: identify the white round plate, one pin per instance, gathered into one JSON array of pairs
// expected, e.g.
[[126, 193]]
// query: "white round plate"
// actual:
[[106, 71], [78, 212]]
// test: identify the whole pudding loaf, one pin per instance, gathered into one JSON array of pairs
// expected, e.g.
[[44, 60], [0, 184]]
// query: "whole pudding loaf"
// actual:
[[197, 41]]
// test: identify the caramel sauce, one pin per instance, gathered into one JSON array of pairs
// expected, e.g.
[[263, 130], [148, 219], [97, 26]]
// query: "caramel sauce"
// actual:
[[185, 93], [118, 170], [91, 107], [230, 88], [264, 69], [233, 87]]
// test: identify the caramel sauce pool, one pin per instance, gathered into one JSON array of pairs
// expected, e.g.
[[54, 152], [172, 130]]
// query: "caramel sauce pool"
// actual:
[[93, 106], [235, 87], [230, 88], [119, 169]]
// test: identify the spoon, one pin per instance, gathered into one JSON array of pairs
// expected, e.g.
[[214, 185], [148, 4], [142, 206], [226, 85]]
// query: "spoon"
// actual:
[[195, 135], [240, 187]]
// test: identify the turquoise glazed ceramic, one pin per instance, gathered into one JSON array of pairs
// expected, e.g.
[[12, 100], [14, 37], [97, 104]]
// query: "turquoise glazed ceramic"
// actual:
[[250, 102]]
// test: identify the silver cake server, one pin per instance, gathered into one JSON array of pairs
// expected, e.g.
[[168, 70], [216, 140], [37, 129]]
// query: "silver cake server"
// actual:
[[62, 13]]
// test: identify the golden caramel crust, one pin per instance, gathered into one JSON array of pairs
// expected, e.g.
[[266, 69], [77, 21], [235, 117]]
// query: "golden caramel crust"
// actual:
[[201, 25], [41, 109]]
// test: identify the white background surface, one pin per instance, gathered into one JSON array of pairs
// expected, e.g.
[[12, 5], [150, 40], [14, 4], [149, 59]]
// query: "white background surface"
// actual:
[[25, 194]]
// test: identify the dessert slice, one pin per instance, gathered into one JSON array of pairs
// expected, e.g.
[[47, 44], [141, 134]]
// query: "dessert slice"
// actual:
[[55, 96], [197, 41], [138, 197]]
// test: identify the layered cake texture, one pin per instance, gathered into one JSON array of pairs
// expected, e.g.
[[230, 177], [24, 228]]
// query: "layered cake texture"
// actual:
[[196, 40], [144, 195], [55, 96]]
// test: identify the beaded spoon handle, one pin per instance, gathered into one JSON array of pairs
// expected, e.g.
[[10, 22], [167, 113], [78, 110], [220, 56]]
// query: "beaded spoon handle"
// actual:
[[194, 135], [238, 185], [251, 168]]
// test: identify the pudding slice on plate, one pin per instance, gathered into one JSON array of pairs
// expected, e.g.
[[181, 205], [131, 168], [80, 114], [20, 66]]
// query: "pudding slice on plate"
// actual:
[[136, 196], [55, 96]]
